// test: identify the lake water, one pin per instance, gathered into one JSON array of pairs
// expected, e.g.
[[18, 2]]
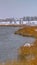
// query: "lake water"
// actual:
[[9, 42]]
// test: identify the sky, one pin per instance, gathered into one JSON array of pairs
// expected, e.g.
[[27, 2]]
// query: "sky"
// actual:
[[18, 8]]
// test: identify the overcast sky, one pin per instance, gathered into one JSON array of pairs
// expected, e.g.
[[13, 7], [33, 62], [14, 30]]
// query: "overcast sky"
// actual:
[[18, 8]]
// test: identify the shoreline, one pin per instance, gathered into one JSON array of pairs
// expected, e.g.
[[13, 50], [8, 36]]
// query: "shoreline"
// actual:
[[27, 31], [14, 25]]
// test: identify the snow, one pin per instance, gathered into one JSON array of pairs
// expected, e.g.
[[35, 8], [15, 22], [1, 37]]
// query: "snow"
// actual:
[[28, 44]]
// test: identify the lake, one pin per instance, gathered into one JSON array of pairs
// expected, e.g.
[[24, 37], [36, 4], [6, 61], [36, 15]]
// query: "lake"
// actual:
[[9, 42]]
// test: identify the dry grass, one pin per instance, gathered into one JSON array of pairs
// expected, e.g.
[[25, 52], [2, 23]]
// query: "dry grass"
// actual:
[[23, 50], [30, 31]]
